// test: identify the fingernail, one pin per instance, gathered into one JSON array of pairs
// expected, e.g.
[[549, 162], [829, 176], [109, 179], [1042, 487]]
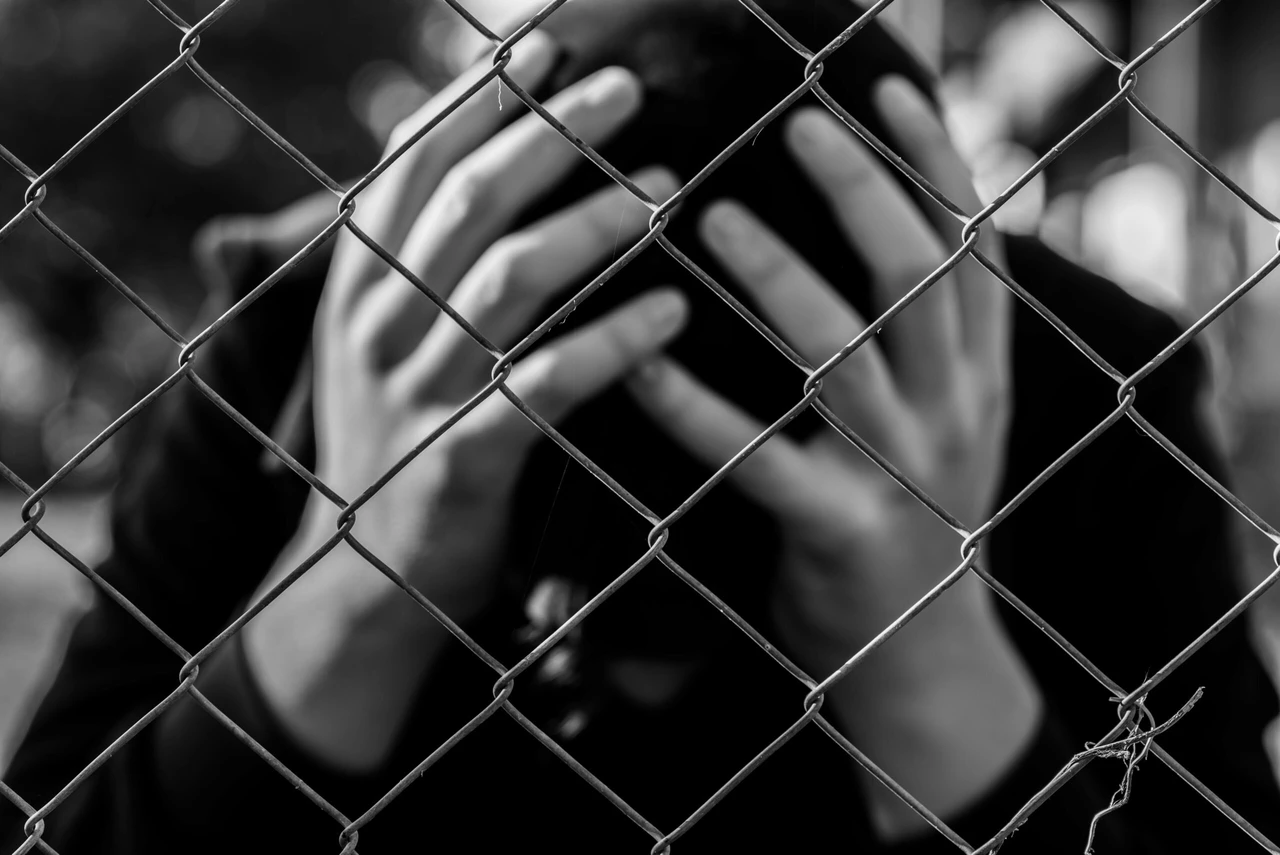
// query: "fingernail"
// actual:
[[896, 95], [730, 232], [661, 184], [612, 85], [532, 54], [816, 131], [645, 374], [666, 311], [728, 227]]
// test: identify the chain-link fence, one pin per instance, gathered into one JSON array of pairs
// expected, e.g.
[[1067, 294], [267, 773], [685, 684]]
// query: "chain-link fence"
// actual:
[[1133, 738]]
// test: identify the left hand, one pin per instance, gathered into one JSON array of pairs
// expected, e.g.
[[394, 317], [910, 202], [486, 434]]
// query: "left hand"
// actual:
[[858, 549]]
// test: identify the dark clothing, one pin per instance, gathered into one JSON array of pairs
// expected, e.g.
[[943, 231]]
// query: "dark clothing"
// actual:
[[1123, 551]]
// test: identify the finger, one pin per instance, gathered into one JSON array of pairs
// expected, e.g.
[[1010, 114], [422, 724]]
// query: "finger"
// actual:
[[554, 380], [714, 430], [488, 188], [983, 301], [807, 312], [894, 238], [387, 208], [516, 276]]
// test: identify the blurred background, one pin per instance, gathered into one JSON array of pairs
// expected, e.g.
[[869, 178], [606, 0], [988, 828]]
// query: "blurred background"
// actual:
[[74, 354]]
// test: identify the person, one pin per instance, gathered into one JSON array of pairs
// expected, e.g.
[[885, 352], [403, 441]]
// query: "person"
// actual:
[[351, 684]]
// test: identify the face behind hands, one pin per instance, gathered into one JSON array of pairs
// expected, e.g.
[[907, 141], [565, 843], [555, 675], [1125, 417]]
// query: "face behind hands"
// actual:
[[709, 70], [497, 214]]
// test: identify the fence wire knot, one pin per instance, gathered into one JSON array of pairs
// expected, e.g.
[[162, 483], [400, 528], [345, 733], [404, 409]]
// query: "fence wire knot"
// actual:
[[1132, 749]]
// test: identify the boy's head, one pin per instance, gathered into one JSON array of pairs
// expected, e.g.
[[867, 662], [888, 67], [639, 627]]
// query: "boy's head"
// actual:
[[710, 69]]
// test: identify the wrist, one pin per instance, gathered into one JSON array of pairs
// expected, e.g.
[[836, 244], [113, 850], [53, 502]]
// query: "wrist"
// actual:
[[945, 706], [961, 621], [339, 655]]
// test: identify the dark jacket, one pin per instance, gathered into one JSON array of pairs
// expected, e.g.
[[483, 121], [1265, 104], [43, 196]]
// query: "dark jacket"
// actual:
[[1123, 551]]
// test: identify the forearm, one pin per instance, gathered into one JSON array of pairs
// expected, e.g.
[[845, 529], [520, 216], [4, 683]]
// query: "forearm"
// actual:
[[339, 658], [946, 707]]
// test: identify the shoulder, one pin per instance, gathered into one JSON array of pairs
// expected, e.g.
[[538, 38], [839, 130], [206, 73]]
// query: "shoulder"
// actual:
[[1124, 330], [1060, 390], [1131, 520], [1061, 393]]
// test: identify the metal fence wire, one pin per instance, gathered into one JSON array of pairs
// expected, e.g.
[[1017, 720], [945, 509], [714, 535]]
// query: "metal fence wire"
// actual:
[[1132, 739]]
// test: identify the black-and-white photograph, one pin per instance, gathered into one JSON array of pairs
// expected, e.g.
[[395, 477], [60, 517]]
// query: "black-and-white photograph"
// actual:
[[639, 426]]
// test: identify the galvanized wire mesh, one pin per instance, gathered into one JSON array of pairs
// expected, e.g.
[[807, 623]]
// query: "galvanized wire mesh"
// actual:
[[1133, 738]]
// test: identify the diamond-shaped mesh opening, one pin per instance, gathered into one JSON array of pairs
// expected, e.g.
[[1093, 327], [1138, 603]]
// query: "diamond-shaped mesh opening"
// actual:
[[1139, 733]]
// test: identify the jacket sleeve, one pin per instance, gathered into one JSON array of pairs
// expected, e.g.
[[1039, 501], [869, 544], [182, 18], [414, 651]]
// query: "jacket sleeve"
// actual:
[[1188, 582], [1132, 558], [196, 523]]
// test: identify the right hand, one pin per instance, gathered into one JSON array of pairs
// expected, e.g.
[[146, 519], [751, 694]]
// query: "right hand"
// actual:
[[390, 368]]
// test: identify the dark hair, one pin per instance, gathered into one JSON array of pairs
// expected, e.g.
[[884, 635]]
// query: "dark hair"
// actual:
[[710, 70]]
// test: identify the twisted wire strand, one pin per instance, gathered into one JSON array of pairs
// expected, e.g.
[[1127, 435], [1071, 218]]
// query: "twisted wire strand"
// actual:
[[1130, 703]]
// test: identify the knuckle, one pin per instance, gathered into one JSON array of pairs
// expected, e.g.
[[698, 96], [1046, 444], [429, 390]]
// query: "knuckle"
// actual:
[[548, 382], [412, 124], [501, 270], [854, 175], [603, 222], [402, 131], [676, 398], [362, 341], [974, 415], [953, 445], [993, 388], [468, 191], [931, 138], [766, 264], [366, 330], [774, 265], [631, 337], [909, 275], [937, 142], [995, 403], [986, 396], [546, 144]]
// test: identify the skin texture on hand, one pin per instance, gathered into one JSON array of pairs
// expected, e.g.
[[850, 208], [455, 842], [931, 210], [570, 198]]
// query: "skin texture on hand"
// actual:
[[340, 659], [340, 655], [946, 705]]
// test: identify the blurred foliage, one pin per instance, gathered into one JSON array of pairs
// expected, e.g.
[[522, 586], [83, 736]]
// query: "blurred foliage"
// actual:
[[332, 77]]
